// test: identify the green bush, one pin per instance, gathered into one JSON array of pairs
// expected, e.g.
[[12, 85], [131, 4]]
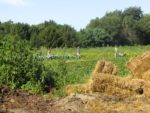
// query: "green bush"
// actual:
[[20, 69]]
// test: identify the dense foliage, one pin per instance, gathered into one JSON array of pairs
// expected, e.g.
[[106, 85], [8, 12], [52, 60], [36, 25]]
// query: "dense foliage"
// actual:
[[19, 68], [128, 27], [48, 34]]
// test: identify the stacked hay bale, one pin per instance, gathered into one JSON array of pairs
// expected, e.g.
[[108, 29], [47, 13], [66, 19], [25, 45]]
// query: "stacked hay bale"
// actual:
[[104, 79], [140, 70]]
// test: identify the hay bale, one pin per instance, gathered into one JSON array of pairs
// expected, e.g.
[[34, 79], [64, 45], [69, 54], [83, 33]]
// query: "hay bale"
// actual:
[[110, 84], [104, 81], [146, 75], [136, 85], [146, 88], [105, 67], [139, 65], [114, 85], [99, 67]]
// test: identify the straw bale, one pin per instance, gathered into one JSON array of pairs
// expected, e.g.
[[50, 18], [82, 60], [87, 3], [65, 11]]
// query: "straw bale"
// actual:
[[146, 88], [104, 81], [139, 65], [99, 67], [110, 84], [135, 86], [114, 85], [101, 82], [105, 67], [146, 75]]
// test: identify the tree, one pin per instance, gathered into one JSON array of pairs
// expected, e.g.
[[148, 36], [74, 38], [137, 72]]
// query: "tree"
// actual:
[[21, 30], [131, 16], [134, 12], [68, 36], [94, 23], [6, 28], [48, 34], [85, 38], [111, 23], [35, 40], [143, 30], [53, 35], [95, 38]]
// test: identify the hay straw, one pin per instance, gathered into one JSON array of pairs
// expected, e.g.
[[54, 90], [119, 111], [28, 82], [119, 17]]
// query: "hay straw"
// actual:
[[139, 65], [105, 67]]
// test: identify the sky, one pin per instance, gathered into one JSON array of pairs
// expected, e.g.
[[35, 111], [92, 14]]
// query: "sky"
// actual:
[[76, 13]]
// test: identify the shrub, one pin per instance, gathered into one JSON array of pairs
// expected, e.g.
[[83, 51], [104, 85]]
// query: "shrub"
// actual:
[[19, 68]]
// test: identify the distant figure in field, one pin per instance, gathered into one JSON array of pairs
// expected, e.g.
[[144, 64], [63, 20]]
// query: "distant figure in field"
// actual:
[[78, 52], [49, 53], [119, 53]]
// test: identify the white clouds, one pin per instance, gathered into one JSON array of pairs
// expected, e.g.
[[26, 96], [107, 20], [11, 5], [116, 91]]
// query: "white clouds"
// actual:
[[16, 3]]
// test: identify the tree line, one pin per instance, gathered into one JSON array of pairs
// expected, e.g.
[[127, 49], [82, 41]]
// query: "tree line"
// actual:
[[48, 34], [127, 27]]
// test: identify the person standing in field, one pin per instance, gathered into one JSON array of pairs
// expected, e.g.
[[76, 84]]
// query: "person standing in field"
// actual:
[[116, 50], [49, 53], [119, 53], [78, 52]]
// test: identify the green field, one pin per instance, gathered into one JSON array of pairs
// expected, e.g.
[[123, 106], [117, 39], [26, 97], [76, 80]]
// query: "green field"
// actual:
[[72, 71]]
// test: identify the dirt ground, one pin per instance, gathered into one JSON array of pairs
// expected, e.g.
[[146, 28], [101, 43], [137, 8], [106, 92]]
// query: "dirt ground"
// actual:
[[19, 101], [13, 101]]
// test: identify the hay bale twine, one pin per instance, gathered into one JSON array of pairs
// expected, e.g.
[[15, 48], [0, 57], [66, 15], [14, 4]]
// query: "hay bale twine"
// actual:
[[101, 82]]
